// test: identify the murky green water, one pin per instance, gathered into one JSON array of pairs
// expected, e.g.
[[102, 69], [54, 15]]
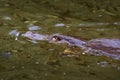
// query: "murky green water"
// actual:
[[23, 60]]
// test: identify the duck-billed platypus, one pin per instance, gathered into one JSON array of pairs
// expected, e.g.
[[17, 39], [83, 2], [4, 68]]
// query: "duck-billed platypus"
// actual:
[[103, 46]]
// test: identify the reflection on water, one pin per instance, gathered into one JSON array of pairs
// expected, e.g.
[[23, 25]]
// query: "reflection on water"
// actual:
[[90, 24], [7, 18], [59, 25], [32, 27]]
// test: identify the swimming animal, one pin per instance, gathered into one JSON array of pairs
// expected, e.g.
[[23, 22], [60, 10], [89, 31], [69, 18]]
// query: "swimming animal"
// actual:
[[98, 47]]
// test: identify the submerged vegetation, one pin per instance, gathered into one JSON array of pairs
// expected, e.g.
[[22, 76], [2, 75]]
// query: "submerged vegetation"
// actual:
[[82, 19], [93, 10]]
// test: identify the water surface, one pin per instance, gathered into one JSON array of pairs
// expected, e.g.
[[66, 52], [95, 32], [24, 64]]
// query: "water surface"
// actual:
[[25, 60]]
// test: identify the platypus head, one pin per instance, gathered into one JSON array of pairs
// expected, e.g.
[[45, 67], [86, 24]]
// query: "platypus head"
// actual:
[[55, 38]]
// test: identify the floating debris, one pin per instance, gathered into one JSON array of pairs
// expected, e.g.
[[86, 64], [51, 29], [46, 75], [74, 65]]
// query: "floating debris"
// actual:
[[51, 49], [68, 51], [37, 62], [83, 53], [103, 64], [52, 16], [60, 25], [116, 23], [22, 67], [6, 54], [13, 67], [33, 28], [30, 22], [118, 68], [7, 18], [88, 24], [64, 73], [100, 29], [14, 51], [14, 33]]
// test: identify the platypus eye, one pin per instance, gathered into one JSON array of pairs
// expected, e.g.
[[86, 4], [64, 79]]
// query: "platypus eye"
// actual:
[[56, 38]]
